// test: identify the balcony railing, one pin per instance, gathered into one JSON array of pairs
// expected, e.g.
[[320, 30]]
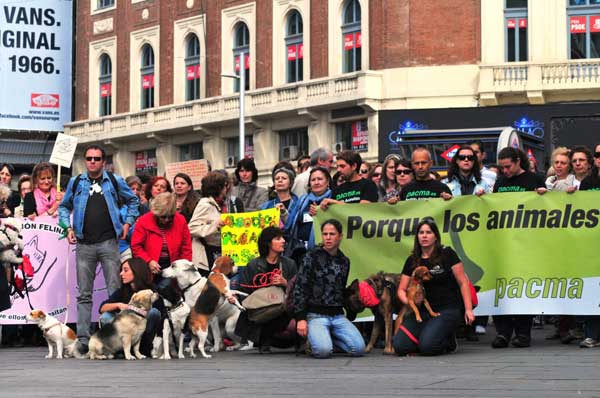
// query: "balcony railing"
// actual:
[[543, 78], [212, 111]]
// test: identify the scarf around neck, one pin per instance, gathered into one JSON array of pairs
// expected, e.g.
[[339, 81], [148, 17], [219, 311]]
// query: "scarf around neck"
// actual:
[[43, 203]]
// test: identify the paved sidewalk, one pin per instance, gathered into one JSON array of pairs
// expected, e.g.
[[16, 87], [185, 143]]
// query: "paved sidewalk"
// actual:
[[548, 369]]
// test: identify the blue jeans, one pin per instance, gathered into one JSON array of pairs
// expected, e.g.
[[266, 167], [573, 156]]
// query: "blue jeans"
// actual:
[[325, 331], [153, 323], [433, 334], [88, 256], [592, 327]]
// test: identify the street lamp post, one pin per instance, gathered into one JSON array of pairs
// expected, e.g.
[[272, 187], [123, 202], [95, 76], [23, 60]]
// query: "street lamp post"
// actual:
[[242, 79]]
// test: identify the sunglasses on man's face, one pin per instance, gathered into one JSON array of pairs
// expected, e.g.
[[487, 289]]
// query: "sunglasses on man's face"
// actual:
[[403, 172], [94, 158], [597, 155]]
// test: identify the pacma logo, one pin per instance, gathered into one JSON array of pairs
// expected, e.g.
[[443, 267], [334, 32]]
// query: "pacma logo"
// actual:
[[45, 100]]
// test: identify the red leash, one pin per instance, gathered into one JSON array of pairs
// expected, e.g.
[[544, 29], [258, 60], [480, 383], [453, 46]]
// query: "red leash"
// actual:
[[263, 280], [409, 334]]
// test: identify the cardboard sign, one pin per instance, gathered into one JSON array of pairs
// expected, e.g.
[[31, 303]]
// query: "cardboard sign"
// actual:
[[63, 151], [196, 169]]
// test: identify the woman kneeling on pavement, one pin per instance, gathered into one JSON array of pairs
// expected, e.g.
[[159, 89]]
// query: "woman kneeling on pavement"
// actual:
[[447, 293], [269, 269], [136, 276]]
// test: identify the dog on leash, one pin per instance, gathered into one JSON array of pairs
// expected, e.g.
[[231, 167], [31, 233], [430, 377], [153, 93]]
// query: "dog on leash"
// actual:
[[378, 293], [216, 306], [60, 338], [415, 294], [188, 279], [125, 332], [177, 314]]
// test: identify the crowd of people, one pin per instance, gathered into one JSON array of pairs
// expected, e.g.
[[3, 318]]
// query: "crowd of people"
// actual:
[[137, 227]]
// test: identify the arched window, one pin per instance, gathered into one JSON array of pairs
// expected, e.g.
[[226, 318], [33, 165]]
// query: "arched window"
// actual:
[[105, 80], [294, 47], [192, 67], [147, 75], [351, 36], [241, 44]]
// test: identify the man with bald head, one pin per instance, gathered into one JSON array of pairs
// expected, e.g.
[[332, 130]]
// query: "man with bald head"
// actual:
[[424, 186]]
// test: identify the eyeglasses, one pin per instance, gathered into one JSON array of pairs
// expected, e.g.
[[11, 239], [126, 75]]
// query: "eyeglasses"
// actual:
[[93, 158], [470, 158], [597, 155], [364, 171], [403, 172], [376, 175]]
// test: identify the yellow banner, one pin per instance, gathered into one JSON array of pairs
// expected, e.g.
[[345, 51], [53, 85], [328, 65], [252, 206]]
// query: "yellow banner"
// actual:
[[239, 235]]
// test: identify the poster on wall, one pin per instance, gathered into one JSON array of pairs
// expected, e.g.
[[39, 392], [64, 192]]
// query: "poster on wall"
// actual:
[[35, 64]]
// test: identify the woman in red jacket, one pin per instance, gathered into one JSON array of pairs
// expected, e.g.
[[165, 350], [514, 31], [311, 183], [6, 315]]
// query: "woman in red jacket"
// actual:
[[161, 236]]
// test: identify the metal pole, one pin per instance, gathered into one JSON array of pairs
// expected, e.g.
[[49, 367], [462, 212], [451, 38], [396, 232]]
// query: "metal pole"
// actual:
[[242, 92]]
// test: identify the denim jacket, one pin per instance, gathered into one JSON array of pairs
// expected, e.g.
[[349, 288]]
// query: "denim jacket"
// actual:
[[454, 186], [77, 203]]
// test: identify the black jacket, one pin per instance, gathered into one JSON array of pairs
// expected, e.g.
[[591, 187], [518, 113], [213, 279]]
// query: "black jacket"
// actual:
[[320, 283]]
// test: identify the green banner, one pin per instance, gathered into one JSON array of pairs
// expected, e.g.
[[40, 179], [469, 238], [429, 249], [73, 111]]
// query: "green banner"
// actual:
[[529, 253]]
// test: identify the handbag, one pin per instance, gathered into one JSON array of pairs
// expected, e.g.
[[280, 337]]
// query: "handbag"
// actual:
[[265, 304]]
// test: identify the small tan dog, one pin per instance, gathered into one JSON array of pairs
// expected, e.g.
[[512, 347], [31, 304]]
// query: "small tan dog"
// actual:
[[125, 332], [60, 337], [415, 294]]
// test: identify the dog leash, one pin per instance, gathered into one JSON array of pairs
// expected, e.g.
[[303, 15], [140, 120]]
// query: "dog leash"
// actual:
[[46, 330], [190, 286], [409, 334]]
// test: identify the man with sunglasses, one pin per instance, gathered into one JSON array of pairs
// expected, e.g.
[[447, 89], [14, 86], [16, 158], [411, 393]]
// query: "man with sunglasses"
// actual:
[[424, 186], [94, 198]]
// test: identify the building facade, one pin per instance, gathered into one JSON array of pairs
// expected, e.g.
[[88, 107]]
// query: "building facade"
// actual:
[[151, 85]]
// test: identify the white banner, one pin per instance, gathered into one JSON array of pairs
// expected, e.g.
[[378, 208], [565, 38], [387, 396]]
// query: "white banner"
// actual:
[[35, 64]]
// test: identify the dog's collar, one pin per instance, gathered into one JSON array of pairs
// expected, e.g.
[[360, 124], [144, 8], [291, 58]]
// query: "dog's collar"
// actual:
[[46, 330], [139, 311], [188, 287], [181, 303]]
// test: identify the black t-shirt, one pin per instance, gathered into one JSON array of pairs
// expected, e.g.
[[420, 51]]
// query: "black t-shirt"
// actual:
[[421, 190], [441, 291], [355, 191], [97, 224], [590, 184], [526, 181]]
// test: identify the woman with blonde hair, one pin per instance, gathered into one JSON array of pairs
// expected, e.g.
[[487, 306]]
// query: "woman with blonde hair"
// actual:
[[44, 199], [562, 179], [161, 236]]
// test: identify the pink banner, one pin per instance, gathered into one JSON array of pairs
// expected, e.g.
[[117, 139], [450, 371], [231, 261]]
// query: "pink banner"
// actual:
[[53, 287]]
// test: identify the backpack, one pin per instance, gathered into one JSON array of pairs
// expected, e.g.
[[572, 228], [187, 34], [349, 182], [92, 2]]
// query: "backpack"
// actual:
[[113, 180]]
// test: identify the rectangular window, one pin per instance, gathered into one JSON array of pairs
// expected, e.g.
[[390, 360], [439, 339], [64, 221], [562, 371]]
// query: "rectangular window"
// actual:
[[352, 51], [246, 74], [147, 91], [353, 135], [515, 22], [584, 28], [293, 143], [105, 3], [233, 150], [145, 162], [105, 99], [192, 82], [295, 55], [191, 152]]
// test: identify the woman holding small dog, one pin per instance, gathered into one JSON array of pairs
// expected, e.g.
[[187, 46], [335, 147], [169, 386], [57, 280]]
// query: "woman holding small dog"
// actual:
[[44, 199], [447, 292], [136, 276], [161, 236]]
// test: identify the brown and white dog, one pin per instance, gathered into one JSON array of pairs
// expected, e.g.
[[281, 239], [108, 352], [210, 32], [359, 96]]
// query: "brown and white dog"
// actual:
[[216, 306], [415, 294], [57, 335], [378, 293], [125, 332]]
